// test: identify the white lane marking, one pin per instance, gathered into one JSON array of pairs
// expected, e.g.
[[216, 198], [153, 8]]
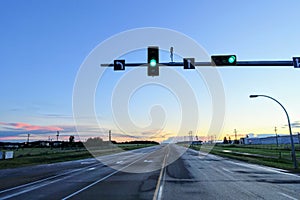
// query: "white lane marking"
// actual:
[[160, 181], [34, 187], [66, 173], [160, 191], [90, 169], [102, 179], [288, 196], [227, 170], [120, 162], [148, 161], [279, 171], [28, 190], [45, 179], [87, 162]]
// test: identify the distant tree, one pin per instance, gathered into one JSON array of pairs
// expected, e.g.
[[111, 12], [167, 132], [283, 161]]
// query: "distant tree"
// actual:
[[225, 141], [139, 142], [71, 138], [97, 141]]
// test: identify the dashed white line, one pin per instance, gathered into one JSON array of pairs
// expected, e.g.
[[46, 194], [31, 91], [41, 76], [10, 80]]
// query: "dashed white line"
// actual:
[[102, 179], [227, 170], [45, 179], [160, 181], [288, 196]]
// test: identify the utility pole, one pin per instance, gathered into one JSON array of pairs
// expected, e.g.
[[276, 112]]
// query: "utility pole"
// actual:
[[57, 134], [276, 135], [109, 135], [28, 135], [235, 135], [191, 136], [299, 138]]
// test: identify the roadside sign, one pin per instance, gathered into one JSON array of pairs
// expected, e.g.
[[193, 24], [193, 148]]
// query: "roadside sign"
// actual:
[[119, 65], [188, 63], [9, 154], [296, 62]]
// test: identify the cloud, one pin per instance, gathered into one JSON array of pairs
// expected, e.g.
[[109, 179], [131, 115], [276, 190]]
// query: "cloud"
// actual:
[[123, 135], [56, 116], [295, 124], [29, 127], [20, 130]]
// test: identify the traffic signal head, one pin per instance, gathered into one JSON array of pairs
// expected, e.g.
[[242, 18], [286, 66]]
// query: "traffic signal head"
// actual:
[[225, 60], [153, 61]]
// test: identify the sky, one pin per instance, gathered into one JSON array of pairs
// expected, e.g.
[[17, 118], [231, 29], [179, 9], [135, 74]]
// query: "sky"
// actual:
[[44, 44]]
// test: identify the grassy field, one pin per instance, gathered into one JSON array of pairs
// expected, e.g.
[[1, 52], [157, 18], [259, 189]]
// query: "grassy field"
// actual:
[[35, 156], [269, 155]]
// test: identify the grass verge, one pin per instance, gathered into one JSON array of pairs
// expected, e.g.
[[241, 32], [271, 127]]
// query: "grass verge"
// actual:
[[36, 156], [272, 157]]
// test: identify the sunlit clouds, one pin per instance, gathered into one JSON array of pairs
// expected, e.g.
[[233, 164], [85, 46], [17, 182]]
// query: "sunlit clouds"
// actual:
[[29, 127]]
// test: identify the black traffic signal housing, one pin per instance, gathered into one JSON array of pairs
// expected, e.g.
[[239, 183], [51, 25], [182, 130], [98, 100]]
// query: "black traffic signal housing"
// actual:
[[223, 60], [153, 61]]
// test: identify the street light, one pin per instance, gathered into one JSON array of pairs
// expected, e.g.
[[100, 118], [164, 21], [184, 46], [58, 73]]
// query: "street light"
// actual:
[[290, 128]]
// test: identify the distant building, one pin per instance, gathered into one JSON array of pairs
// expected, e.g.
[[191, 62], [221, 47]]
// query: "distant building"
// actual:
[[282, 139]]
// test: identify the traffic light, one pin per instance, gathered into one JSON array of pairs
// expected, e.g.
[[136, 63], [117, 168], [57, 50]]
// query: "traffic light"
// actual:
[[153, 61], [225, 60]]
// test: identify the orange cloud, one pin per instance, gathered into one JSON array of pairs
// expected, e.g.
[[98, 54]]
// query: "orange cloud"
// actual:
[[30, 127]]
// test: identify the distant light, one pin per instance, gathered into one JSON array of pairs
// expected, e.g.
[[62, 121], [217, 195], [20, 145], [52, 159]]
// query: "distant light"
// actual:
[[153, 63], [231, 59]]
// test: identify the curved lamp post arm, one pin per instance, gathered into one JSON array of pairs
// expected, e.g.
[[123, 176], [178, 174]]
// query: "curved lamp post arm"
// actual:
[[289, 124]]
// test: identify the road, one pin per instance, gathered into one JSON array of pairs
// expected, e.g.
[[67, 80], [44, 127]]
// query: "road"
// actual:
[[150, 173]]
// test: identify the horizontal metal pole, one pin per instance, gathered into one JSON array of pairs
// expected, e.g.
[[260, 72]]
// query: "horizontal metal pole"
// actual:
[[238, 63], [264, 63]]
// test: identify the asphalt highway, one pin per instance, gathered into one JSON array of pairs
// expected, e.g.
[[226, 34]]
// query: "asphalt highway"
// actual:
[[159, 172]]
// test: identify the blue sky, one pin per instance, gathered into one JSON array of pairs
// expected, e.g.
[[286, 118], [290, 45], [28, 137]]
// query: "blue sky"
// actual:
[[43, 44]]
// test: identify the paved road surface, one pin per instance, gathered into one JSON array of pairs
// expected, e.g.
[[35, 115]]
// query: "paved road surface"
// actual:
[[158, 175]]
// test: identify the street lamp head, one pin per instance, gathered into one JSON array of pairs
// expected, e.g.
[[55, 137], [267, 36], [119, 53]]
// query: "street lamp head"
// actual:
[[253, 96]]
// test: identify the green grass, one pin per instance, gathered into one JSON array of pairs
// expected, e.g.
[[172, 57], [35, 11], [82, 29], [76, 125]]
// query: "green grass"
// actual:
[[35, 156], [268, 155]]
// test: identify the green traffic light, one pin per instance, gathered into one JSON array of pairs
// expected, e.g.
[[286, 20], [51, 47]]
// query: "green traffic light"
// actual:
[[231, 59], [153, 63]]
